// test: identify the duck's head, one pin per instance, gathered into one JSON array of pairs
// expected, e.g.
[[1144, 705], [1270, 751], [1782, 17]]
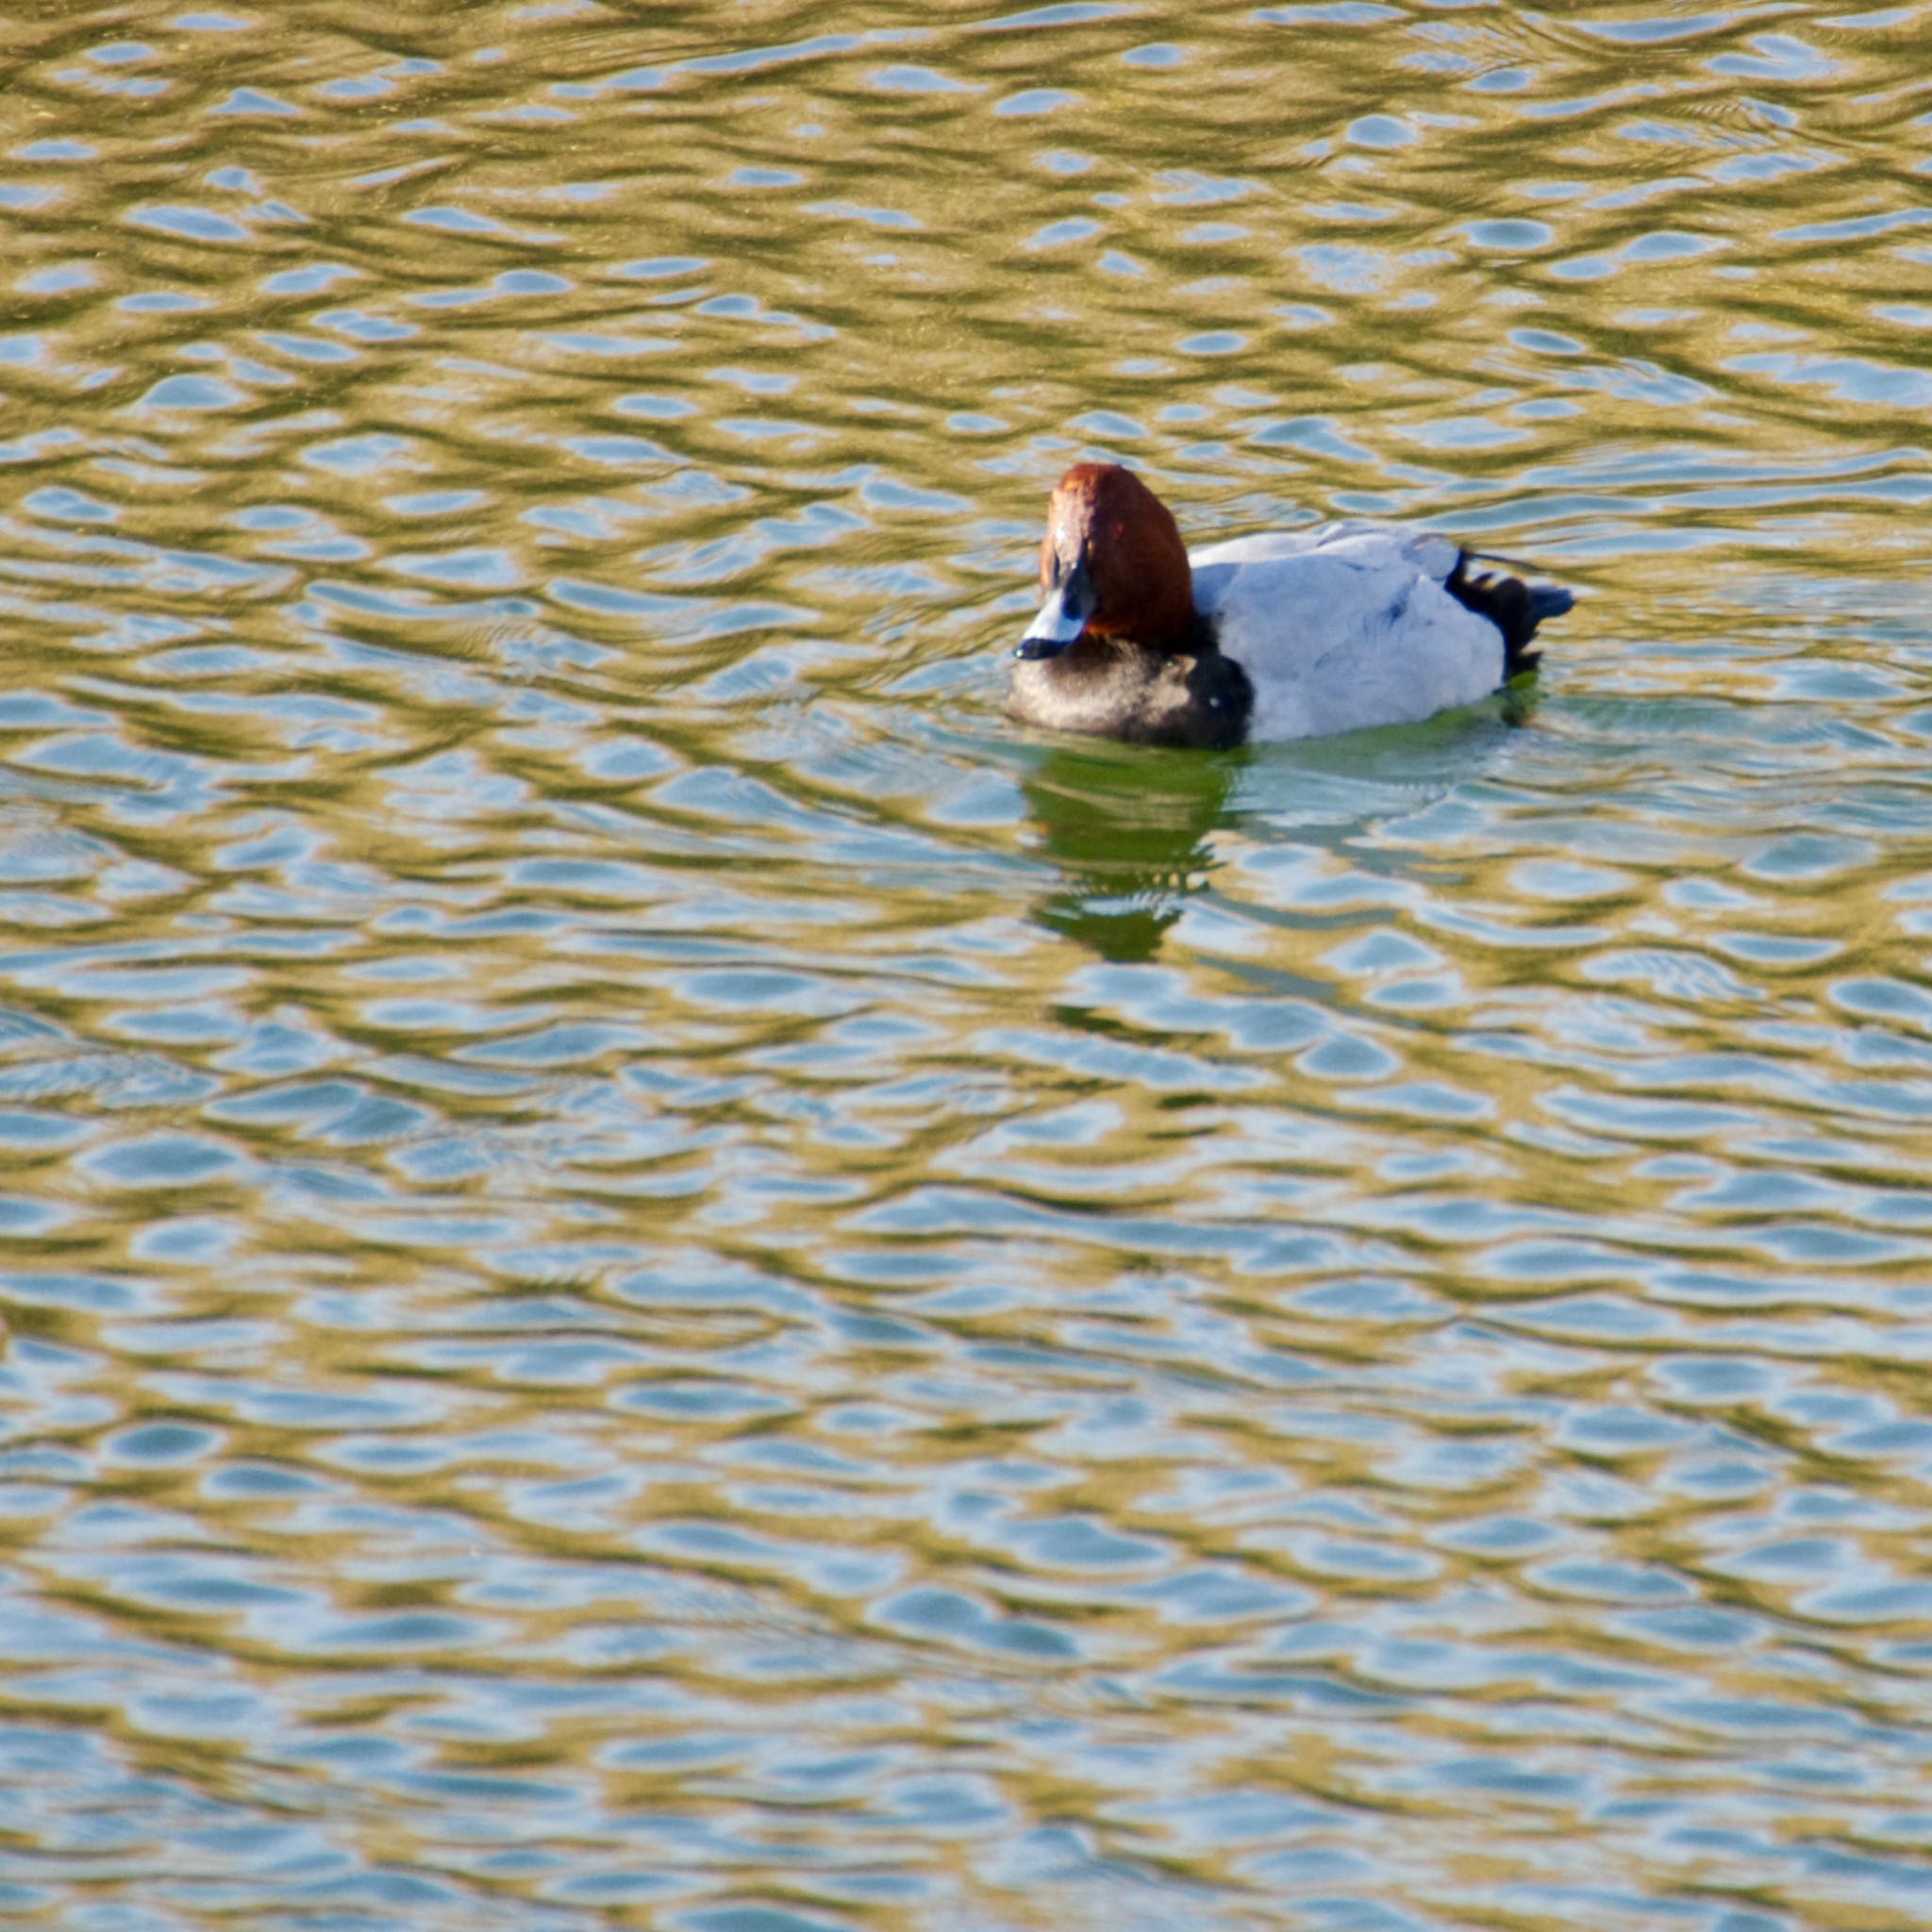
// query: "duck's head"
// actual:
[[1112, 564]]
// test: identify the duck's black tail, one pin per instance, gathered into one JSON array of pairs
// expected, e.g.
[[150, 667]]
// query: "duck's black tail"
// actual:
[[1513, 606]]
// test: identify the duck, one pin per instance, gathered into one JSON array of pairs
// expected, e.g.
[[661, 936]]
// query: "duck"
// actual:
[[1282, 635]]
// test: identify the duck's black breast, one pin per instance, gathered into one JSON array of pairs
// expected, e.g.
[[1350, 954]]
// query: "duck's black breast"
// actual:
[[1186, 695]]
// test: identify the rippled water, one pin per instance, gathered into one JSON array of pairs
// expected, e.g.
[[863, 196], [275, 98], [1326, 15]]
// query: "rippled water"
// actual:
[[660, 1275]]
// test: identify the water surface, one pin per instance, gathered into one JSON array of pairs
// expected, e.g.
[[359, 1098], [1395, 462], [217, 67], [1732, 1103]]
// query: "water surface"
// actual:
[[660, 1275]]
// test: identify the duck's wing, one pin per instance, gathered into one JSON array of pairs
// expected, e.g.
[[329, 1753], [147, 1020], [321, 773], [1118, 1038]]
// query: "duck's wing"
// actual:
[[1431, 554], [1347, 625]]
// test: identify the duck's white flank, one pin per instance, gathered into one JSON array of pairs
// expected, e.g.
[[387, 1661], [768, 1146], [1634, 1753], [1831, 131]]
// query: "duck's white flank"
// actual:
[[1344, 627]]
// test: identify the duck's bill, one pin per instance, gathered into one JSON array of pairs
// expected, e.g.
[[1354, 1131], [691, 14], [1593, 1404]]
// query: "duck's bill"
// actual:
[[1062, 620]]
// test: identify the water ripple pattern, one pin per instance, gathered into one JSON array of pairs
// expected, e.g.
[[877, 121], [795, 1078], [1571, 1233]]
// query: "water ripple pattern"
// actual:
[[659, 1275]]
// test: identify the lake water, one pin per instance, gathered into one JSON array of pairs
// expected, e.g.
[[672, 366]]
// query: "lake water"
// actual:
[[660, 1275]]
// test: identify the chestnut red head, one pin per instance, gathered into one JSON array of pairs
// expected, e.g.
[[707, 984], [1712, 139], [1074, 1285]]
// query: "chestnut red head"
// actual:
[[1112, 564]]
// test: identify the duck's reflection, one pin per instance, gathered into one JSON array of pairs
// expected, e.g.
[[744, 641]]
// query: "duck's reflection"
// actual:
[[1129, 831]]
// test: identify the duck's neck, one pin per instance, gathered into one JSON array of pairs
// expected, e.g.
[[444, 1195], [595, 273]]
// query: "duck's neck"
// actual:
[[1198, 638], [1197, 643]]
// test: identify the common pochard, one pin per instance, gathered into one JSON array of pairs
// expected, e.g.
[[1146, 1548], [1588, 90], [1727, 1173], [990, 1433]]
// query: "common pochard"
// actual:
[[1291, 634]]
